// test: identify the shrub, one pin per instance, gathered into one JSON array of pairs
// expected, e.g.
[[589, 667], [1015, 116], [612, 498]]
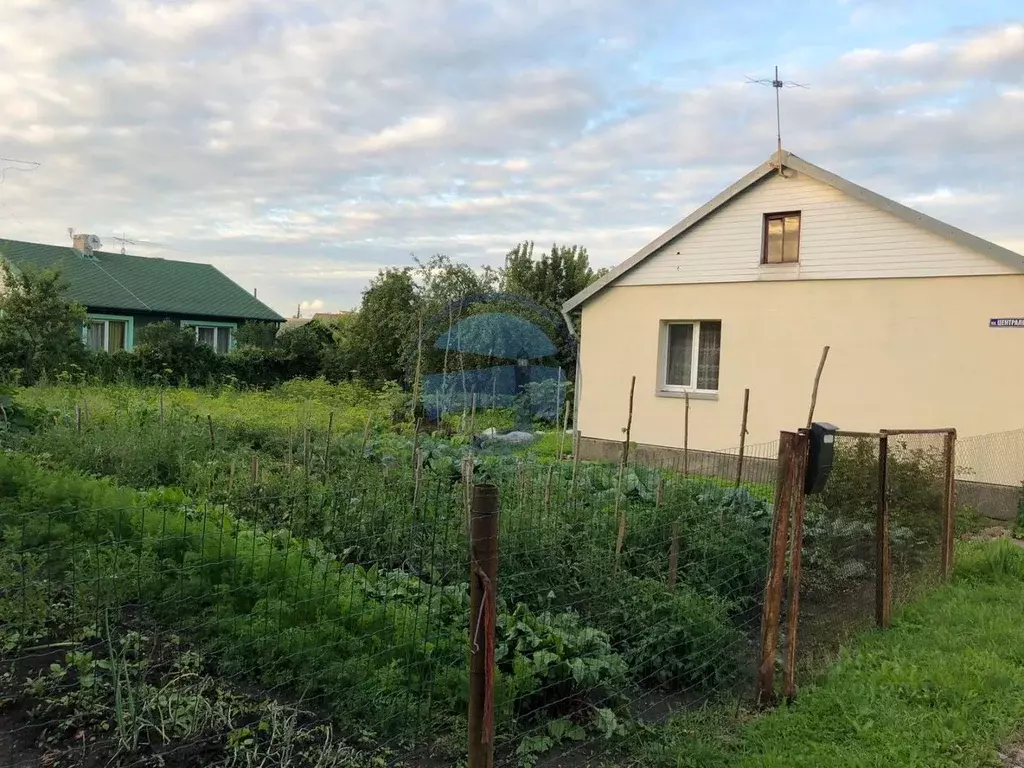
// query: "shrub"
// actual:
[[681, 639]]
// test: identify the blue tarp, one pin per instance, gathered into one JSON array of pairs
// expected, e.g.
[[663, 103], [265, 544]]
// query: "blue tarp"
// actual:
[[542, 393]]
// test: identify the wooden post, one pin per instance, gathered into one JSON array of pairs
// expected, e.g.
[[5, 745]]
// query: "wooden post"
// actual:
[[366, 437], [948, 503], [743, 437], [620, 512], [255, 469], [417, 474], [673, 556], [561, 438], [305, 450], [327, 444], [777, 565], [802, 449], [814, 390], [547, 488], [660, 495], [686, 434], [883, 551], [209, 421], [483, 593]]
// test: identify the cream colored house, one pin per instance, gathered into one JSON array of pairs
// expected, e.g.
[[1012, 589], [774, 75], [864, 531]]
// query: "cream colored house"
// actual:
[[746, 290]]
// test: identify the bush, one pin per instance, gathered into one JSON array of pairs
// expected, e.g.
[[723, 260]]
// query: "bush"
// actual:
[[681, 639]]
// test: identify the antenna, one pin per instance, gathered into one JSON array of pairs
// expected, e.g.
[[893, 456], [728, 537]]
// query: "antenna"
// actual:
[[778, 85], [125, 240]]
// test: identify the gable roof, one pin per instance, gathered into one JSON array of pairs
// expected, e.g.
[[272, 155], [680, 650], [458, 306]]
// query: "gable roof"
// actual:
[[141, 284], [789, 160]]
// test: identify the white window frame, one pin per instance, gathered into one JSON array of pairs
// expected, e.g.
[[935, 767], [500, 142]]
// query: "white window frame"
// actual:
[[663, 385], [195, 325], [129, 329]]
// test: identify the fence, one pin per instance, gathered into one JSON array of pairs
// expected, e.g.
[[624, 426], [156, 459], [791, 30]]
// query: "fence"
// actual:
[[880, 530], [990, 473], [313, 605], [318, 602]]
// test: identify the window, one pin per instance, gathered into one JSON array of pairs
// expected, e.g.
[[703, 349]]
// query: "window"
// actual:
[[690, 356], [107, 334], [781, 238], [217, 336]]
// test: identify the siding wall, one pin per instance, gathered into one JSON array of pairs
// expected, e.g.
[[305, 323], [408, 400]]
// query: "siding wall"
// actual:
[[840, 238], [906, 353]]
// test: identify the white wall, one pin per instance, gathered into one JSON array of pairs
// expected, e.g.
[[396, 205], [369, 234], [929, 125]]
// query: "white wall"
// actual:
[[841, 237]]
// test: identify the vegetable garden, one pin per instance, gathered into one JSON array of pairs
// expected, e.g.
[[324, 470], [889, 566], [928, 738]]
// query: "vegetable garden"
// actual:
[[281, 579]]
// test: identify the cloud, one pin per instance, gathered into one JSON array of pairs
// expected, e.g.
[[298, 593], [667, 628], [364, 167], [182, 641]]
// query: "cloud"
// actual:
[[302, 146]]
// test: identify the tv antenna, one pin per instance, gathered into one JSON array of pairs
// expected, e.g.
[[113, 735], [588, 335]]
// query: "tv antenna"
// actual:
[[778, 85], [125, 240]]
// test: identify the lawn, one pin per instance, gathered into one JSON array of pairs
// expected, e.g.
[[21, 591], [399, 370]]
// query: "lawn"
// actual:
[[944, 687]]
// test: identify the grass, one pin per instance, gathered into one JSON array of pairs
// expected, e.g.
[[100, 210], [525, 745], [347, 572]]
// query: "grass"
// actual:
[[944, 687]]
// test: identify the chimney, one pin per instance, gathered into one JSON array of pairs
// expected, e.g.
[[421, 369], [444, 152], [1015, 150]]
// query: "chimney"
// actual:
[[81, 243]]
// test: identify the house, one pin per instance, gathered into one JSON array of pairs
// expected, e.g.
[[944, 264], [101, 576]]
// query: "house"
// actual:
[[922, 319], [122, 293]]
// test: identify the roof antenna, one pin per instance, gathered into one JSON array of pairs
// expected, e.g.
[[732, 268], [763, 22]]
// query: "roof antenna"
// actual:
[[778, 85]]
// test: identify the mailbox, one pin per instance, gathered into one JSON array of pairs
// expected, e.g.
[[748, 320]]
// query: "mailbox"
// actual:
[[819, 460]]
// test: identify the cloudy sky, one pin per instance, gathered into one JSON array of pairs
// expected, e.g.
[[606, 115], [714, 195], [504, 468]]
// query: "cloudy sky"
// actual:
[[301, 145]]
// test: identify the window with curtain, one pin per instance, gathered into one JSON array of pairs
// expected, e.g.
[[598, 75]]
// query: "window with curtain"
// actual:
[[206, 334], [223, 340], [96, 335], [117, 335], [216, 336], [691, 355]]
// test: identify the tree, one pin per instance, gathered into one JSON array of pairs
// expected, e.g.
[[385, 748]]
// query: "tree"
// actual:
[[550, 280], [40, 330], [387, 319]]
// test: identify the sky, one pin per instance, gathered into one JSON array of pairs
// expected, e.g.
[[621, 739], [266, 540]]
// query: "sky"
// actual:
[[301, 146]]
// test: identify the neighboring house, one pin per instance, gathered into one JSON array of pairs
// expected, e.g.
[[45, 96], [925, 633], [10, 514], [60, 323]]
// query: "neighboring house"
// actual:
[[748, 289], [123, 293]]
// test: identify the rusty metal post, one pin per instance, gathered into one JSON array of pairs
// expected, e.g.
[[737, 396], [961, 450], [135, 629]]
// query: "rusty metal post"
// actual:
[[883, 549], [802, 449], [776, 567], [483, 593], [949, 503]]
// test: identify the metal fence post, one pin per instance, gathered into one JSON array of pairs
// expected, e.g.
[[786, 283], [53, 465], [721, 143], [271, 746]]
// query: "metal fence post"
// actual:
[[802, 449], [949, 503], [483, 592], [777, 565], [883, 549]]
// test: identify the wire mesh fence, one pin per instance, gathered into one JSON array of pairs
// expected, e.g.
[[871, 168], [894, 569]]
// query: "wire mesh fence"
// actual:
[[308, 603], [990, 474], [839, 552], [258, 596]]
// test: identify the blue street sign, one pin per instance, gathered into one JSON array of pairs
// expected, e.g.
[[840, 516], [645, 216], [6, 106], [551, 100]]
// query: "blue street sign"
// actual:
[[1006, 322]]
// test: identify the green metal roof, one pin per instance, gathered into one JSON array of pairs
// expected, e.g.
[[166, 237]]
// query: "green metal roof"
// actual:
[[141, 284]]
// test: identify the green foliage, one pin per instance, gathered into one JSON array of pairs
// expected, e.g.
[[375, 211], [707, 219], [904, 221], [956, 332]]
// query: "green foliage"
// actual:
[[944, 688], [40, 330], [551, 660], [550, 279], [682, 639], [386, 324]]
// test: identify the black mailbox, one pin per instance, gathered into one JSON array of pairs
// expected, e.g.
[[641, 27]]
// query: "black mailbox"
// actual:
[[819, 460]]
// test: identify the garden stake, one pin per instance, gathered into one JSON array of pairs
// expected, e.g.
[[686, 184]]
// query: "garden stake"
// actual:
[[622, 468], [814, 390]]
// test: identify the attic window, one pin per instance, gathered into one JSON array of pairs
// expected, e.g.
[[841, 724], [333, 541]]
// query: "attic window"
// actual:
[[781, 244]]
